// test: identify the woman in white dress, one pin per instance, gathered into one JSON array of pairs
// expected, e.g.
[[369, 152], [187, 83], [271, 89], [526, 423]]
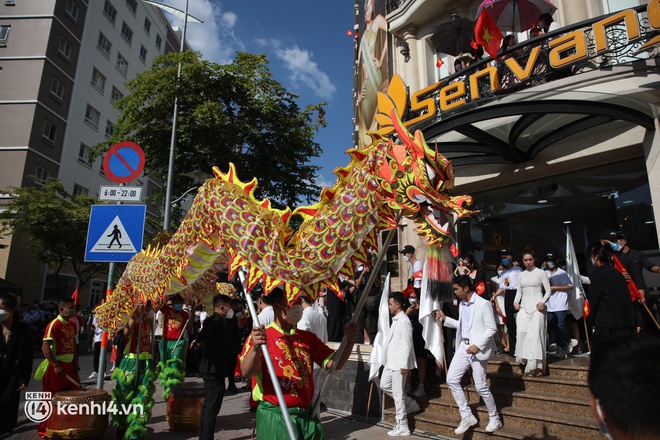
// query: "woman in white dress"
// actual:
[[533, 293]]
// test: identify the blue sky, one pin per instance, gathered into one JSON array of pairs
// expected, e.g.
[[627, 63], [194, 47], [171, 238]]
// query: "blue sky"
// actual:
[[309, 52]]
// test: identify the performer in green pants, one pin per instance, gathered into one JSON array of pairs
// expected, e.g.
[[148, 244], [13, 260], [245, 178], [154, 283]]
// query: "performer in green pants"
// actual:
[[132, 393], [172, 353]]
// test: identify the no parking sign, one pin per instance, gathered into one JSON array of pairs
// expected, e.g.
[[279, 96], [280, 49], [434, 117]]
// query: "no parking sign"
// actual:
[[123, 162]]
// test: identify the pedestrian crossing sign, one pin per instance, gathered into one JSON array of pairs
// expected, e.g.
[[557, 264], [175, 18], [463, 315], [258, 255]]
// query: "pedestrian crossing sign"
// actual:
[[115, 233]]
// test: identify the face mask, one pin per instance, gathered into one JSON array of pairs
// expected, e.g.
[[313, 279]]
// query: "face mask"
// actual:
[[238, 314], [412, 301], [506, 262], [615, 247], [4, 314], [230, 314], [65, 313], [499, 273], [360, 268], [551, 265], [601, 425], [294, 314], [178, 307], [406, 258]]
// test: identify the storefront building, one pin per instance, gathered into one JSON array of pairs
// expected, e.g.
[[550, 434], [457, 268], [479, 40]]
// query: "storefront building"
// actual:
[[559, 133]]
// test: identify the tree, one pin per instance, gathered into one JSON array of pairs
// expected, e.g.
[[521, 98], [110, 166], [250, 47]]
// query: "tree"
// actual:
[[227, 113], [56, 223]]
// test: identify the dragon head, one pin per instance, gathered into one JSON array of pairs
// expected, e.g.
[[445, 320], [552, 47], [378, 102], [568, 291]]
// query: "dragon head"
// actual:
[[417, 180]]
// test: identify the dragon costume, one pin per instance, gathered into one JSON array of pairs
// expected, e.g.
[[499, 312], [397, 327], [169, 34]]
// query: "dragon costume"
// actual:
[[226, 225]]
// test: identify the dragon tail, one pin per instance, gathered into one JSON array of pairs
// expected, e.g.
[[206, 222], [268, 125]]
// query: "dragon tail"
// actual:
[[439, 273]]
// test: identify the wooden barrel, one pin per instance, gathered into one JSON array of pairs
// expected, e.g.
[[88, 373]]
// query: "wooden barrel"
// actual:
[[184, 406], [79, 414]]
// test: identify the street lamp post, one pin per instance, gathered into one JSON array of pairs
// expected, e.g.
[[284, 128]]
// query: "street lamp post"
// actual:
[[175, 118]]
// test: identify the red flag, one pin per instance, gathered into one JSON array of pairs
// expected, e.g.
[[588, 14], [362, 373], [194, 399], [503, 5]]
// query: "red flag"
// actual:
[[480, 288], [454, 250], [487, 33], [632, 288], [586, 308], [474, 45], [439, 63], [408, 290], [349, 33], [75, 297]]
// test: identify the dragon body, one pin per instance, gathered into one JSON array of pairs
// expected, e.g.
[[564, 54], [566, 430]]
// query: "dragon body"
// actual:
[[227, 226]]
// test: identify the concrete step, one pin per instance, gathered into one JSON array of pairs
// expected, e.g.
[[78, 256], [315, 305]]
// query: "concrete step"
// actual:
[[444, 425], [549, 384], [541, 400], [576, 367]]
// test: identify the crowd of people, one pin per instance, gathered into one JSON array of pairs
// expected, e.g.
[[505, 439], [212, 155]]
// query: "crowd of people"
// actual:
[[523, 312]]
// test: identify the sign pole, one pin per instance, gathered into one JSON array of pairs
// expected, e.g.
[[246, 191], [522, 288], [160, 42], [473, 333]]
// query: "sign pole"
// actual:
[[104, 335]]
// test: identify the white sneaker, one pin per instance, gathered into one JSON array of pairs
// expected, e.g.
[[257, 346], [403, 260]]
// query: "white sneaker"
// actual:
[[419, 392], [401, 430], [393, 432], [570, 346], [412, 407], [408, 390], [93, 375], [467, 423], [493, 424]]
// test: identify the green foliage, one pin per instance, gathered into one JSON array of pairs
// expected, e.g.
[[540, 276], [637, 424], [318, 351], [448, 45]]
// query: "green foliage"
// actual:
[[227, 113], [56, 223]]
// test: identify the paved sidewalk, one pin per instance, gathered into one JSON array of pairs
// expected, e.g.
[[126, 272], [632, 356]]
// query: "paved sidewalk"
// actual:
[[235, 421]]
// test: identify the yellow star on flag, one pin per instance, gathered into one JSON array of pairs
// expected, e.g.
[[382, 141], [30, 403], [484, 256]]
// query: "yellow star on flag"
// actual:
[[487, 36]]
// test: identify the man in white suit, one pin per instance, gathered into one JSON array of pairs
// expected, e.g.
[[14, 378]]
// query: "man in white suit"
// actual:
[[475, 328], [398, 360]]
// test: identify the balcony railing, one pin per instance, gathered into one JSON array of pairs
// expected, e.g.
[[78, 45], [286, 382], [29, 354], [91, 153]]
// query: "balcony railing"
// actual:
[[619, 51]]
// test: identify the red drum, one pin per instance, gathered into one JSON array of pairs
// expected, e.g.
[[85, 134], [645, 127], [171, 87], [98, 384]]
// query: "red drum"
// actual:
[[184, 406], [79, 414]]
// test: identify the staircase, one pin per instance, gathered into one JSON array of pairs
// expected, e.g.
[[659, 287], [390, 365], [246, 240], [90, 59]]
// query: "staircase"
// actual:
[[549, 407]]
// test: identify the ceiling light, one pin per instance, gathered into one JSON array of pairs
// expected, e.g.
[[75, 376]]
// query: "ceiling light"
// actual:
[[650, 222], [626, 202], [542, 201], [568, 222]]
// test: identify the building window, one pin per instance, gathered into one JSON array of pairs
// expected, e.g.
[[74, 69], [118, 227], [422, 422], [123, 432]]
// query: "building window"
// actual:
[[4, 34], [159, 41], [116, 95], [104, 45], [72, 10], [122, 64], [109, 129], [92, 116], [127, 33], [50, 132], [132, 5], [41, 175], [110, 12], [65, 48], [143, 54], [83, 153], [79, 190], [147, 25], [57, 88], [98, 80]]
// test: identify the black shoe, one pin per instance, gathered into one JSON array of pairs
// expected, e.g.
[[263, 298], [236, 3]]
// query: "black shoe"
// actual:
[[232, 390]]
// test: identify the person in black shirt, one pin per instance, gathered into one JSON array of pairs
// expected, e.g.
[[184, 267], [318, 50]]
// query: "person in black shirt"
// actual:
[[215, 362], [15, 361]]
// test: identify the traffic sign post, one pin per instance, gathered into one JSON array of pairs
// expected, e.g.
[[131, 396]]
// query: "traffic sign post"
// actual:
[[120, 193], [115, 233]]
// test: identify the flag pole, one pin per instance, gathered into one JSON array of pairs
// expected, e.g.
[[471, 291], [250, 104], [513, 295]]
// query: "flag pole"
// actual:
[[269, 361], [371, 390], [586, 333], [358, 307]]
